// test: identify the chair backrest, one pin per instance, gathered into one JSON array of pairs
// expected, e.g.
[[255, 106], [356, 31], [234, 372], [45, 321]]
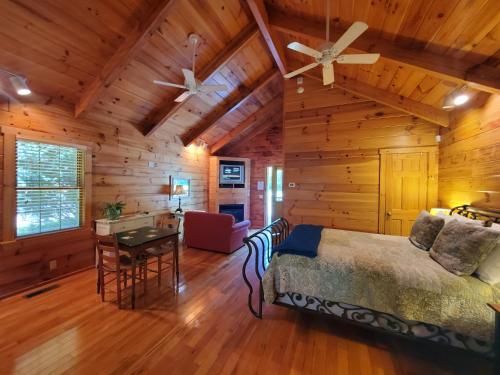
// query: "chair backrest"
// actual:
[[108, 251], [168, 221]]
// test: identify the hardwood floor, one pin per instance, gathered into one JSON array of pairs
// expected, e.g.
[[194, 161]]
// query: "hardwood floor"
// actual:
[[206, 329]]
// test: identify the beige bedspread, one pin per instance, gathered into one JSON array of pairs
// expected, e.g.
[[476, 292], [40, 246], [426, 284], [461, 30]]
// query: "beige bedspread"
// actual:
[[387, 274]]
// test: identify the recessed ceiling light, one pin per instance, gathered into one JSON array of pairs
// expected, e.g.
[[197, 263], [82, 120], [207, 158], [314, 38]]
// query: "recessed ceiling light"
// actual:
[[20, 85], [460, 99]]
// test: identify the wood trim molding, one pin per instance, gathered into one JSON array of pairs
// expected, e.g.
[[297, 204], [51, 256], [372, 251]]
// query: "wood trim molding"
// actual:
[[132, 44], [10, 136], [258, 9], [407, 150], [161, 116], [255, 118], [481, 77], [216, 115]]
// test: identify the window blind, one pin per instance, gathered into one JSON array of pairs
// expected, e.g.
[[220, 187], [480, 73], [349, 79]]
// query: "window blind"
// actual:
[[49, 187]]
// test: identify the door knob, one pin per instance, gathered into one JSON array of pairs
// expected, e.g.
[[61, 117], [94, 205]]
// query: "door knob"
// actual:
[[388, 214]]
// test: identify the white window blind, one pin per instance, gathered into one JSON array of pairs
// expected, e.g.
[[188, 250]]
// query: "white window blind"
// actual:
[[49, 187]]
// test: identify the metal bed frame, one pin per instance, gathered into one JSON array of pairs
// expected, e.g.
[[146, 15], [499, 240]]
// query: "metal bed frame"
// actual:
[[261, 244]]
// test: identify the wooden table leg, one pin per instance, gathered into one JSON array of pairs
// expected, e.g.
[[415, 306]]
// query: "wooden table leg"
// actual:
[[177, 261], [133, 259]]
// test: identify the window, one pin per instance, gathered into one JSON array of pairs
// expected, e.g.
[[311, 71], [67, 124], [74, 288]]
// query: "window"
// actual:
[[49, 187]]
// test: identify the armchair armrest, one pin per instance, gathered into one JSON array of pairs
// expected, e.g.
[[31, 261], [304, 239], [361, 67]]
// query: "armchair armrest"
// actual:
[[241, 225]]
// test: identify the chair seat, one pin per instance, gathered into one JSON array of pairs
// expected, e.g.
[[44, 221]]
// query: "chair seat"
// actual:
[[157, 251]]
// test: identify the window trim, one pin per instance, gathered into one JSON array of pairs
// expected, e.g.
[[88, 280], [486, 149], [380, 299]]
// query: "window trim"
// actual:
[[10, 136]]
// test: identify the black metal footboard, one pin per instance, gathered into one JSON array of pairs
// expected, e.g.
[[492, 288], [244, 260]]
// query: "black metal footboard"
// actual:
[[260, 246]]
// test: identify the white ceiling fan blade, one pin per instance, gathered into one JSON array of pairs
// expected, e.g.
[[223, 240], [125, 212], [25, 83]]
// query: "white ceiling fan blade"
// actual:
[[362, 58], [328, 76], [183, 97], [212, 88], [301, 70], [189, 76], [304, 49], [356, 29], [168, 84]]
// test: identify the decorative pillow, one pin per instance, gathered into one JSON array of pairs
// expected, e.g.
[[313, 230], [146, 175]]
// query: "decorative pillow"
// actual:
[[425, 230], [489, 270], [460, 247]]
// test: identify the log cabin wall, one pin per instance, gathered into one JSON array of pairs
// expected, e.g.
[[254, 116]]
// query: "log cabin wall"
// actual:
[[126, 166], [331, 146], [469, 158], [265, 148]]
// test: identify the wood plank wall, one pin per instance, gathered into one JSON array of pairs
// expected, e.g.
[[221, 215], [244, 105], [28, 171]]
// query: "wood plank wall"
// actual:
[[469, 158], [331, 146], [263, 149], [126, 166]]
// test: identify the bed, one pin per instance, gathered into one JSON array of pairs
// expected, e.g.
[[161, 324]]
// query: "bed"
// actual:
[[377, 281]]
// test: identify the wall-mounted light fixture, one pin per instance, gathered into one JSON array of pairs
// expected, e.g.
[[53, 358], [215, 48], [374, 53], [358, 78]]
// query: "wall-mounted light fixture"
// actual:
[[456, 98], [18, 83]]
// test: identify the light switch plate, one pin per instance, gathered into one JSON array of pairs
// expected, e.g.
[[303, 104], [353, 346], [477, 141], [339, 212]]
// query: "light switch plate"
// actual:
[[52, 265], [260, 185]]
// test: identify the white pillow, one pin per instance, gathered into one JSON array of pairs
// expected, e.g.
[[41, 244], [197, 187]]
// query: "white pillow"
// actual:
[[489, 269]]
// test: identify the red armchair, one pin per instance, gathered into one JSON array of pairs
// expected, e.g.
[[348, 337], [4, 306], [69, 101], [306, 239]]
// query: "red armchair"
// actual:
[[217, 232]]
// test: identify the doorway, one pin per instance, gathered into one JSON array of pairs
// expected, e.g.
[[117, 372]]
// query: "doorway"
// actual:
[[408, 185], [273, 206]]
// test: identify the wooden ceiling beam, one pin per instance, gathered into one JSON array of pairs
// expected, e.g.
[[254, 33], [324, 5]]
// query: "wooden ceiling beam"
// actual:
[[255, 118], [481, 77], [219, 113], [424, 111], [161, 116], [259, 11], [125, 53]]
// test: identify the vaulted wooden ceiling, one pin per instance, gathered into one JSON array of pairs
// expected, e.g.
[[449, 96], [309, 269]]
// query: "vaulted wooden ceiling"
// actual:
[[102, 56]]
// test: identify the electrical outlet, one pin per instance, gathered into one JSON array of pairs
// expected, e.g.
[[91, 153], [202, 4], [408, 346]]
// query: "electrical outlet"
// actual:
[[52, 265], [152, 164], [291, 184]]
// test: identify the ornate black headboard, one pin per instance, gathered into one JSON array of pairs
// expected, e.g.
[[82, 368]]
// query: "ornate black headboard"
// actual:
[[477, 213]]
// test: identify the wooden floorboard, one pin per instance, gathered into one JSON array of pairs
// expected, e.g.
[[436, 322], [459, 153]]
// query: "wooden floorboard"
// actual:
[[205, 329]]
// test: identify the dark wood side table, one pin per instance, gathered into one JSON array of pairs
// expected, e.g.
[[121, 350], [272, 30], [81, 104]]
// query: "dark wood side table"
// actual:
[[136, 241]]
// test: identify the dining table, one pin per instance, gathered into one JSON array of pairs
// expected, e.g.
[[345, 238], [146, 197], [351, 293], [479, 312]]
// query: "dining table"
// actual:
[[135, 242]]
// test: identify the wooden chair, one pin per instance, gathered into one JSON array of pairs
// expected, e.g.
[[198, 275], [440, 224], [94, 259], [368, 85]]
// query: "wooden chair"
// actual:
[[164, 221], [111, 262]]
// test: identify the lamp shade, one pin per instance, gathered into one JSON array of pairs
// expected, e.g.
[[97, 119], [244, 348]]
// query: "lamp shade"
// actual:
[[179, 190]]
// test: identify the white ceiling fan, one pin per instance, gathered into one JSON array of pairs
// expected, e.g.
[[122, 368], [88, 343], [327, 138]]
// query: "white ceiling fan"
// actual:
[[191, 84], [331, 52]]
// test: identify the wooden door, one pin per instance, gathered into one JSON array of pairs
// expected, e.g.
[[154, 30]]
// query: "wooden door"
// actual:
[[407, 186]]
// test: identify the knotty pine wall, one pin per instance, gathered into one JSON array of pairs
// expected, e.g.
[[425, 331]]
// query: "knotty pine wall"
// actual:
[[126, 166], [263, 149], [469, 158], [331, 147]]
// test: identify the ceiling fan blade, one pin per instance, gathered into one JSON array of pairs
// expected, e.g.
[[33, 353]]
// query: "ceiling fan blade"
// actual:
[[168, 84], [182, 97], [189, 76], [304, 49], [362, 58], [301, 70], [328, 76], [212, 88], [356, 29]]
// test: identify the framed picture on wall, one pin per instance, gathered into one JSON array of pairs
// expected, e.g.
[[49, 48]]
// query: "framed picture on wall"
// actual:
[[180, 187]]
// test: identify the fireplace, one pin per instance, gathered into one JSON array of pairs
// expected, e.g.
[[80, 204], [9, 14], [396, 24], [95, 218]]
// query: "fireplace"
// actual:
[[237, 210]]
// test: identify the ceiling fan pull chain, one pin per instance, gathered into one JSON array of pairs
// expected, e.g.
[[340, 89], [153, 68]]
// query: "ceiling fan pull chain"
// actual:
[[194, 54]]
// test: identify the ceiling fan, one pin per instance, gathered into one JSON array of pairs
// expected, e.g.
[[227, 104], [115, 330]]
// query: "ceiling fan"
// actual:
[[330, 52], [191, 84]]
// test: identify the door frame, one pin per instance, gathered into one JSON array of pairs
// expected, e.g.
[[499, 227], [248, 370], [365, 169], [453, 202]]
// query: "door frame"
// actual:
[[432, 170]]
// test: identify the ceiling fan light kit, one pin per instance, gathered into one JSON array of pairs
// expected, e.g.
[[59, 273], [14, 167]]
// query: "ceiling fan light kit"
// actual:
[[191, 84], [19, 83], [331, 52], [456, 98]]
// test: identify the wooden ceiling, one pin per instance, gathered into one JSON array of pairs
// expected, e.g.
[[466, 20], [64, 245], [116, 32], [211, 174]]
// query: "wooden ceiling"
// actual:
[[103, 55]]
